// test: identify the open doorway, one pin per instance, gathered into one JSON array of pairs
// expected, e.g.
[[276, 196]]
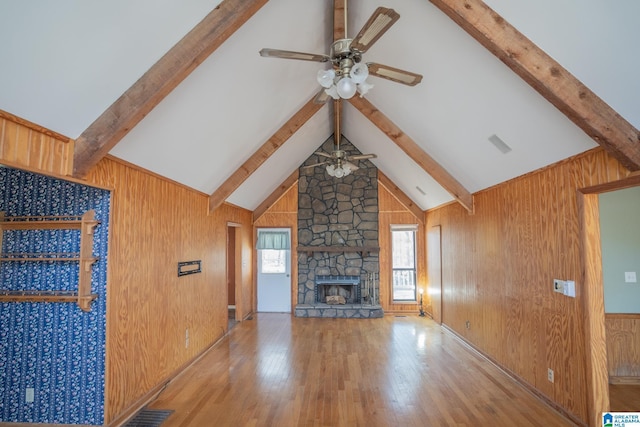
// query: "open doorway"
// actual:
[[234, 273], [593, 297], [620, 242]]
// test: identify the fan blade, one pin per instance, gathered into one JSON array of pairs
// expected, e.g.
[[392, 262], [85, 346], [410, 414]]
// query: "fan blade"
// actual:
[[288, 54], [381, 20], [394, 74], [322, 97], [314, 165], [323, 154], [363, 157]]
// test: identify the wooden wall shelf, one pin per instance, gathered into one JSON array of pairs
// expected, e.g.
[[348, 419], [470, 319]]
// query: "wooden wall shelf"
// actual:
[[86, 224], [363, 250], [84, 301]]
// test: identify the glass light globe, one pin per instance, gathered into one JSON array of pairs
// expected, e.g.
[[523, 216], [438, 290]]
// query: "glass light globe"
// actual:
[[359, 72], [325, 77], [338, 172], [332, 92], [363, 88], [346, 88]]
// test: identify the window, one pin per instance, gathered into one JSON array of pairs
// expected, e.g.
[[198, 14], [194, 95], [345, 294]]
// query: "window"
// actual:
[[273, 261], [272, 250], [403, 262]]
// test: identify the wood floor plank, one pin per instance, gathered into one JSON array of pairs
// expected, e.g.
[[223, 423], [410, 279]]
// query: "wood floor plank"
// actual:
[[278, 370]]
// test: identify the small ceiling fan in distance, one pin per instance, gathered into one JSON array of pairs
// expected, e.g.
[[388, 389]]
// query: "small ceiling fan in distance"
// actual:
[[339, 163], [348, 74]]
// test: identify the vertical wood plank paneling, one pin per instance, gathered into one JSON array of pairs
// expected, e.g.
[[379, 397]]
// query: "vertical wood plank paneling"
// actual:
[[25, 145], [10, 141], [498, 267], [392, 212], [434, 278], [155, 224], [623, 346], [36, 148]]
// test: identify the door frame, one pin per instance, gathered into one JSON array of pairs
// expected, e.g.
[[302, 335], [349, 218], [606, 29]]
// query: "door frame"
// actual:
[[593, 300], [237, 256]]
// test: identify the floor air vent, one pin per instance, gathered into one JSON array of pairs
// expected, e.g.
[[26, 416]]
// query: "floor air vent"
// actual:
[[149, 418]]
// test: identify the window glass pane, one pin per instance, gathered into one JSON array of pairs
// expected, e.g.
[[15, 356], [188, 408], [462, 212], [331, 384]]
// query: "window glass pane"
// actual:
[[403, 249], [403, 260], [273, 261], [404, 285]]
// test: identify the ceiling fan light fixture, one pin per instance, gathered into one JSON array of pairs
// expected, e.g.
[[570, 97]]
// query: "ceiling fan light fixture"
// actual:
[[348, 74], [332, 92], [359, 72], [346, 87], [363, 88], [338, 171], [325, 78]]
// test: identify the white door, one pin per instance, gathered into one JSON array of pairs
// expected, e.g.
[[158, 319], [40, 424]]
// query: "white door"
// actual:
[[274, 276]]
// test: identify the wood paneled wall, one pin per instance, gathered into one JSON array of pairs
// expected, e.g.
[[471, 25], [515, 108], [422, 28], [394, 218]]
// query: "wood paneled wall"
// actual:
[[623, 347], [498, 266], [392, 212], [28, 146], [284, 214], [156, 223]]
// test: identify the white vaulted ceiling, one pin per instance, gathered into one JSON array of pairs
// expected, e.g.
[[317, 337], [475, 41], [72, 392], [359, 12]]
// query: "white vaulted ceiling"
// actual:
[[64, 63]]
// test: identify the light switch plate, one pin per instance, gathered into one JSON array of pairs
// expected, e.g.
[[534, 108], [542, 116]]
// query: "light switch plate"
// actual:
[[630, 277], [570, 288]]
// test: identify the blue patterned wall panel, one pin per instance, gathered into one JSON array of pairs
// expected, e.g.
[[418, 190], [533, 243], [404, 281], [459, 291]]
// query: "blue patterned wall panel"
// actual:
[[54, 348]]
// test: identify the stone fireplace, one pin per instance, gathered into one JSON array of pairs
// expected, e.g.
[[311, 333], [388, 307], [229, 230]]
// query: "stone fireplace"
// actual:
[[338, 239]]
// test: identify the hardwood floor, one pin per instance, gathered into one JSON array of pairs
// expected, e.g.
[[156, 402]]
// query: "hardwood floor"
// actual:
[[277, 370]]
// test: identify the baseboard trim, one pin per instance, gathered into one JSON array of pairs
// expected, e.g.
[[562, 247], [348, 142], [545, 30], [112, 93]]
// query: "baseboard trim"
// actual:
[[515, 377]]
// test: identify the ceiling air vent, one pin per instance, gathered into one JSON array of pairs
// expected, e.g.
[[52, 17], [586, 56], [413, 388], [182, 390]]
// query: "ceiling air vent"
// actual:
[[500, 144]]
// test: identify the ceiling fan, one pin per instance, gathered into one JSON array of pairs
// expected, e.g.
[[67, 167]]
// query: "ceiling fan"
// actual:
[[339, 163], [348, 73]]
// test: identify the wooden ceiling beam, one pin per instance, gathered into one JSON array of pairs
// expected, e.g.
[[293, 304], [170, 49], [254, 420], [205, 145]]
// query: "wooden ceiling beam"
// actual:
[[413, 150], [401, 196], [548, 77], [164, 76], [263, 153], [275, 195]]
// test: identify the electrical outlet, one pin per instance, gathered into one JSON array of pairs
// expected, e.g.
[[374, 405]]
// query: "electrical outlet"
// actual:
[[186, 338], [630, 277], [467, 324], [550, 375], [29, 395]]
